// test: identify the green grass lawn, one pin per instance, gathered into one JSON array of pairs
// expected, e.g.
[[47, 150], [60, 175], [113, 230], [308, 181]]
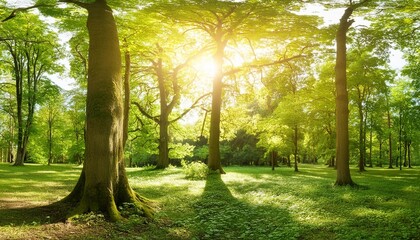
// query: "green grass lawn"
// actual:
[[246, 203]]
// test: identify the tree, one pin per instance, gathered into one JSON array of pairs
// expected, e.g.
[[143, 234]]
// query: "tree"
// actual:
[[52, 102], [103, 184], [342, 110], [368, 74], [8, 117], [170, 91], [227, 22], [31, 49]]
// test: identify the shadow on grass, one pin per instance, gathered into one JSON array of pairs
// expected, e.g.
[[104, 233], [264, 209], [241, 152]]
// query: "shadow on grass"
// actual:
[[17, 214], [219, 215]]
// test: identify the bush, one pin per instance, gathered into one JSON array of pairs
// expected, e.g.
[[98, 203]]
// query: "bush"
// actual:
[[195, 170]]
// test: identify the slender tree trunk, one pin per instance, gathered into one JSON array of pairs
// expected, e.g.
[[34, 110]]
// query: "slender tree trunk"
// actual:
[[214, 162], [380, 153], [361, 135], [20, 151], [400, 140], [295, 142], [273, 159], [103, 183], [405, 153], [342, 111], [370, 148], [409, 153], [389, 137], [50, 122]]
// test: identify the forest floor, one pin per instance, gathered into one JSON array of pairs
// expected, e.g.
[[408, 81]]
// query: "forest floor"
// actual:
[[246, 203]]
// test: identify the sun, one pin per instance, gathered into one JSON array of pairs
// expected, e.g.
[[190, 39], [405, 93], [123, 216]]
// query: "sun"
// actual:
[[205, 67]]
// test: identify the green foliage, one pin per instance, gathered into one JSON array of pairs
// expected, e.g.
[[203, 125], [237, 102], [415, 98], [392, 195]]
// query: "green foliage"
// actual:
[[195, 170]]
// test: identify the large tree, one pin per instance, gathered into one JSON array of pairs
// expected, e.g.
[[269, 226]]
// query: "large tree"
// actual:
[[227, 23], [342, 99], [103, 184]]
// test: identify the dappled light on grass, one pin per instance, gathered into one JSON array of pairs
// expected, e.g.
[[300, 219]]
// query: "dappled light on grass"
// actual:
[[37, 184], [247, 203]]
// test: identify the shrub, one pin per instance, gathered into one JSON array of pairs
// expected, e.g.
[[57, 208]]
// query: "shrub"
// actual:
[[195, 170]]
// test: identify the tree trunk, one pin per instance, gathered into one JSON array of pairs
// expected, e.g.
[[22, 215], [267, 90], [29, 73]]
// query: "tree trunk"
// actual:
[[405, 153], [163, 161], [389, 137], [20, 148], [342, 111], [295, 143], [273, 158], [361, 135], [50, 139], [409, 153], [400, 139], [214, 162], [103, 184], [380, 153], [370, 147]]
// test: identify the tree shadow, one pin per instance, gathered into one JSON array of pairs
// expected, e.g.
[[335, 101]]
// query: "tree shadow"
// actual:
[[219, 215], [18, 213]]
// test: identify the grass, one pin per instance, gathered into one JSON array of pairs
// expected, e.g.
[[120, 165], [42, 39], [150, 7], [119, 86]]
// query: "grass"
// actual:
[[246, 203]]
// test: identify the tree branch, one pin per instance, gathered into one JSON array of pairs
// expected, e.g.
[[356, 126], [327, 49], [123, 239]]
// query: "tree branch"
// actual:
[[141, 109], [25, 9], [17, 10], [190, 108], [280, 61]]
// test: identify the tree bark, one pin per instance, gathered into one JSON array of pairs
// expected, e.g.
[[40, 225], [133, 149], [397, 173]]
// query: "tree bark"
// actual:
[[342, 111]]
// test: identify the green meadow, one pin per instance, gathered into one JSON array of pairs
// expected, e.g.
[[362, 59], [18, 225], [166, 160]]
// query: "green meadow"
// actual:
[[245, 203]]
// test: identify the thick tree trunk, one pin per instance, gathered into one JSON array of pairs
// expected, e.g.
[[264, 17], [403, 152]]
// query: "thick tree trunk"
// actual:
[[214, 162], [342, 111], [103, 184], [163, 160]]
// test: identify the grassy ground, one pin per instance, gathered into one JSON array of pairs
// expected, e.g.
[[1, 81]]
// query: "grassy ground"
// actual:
[[246, 203]]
